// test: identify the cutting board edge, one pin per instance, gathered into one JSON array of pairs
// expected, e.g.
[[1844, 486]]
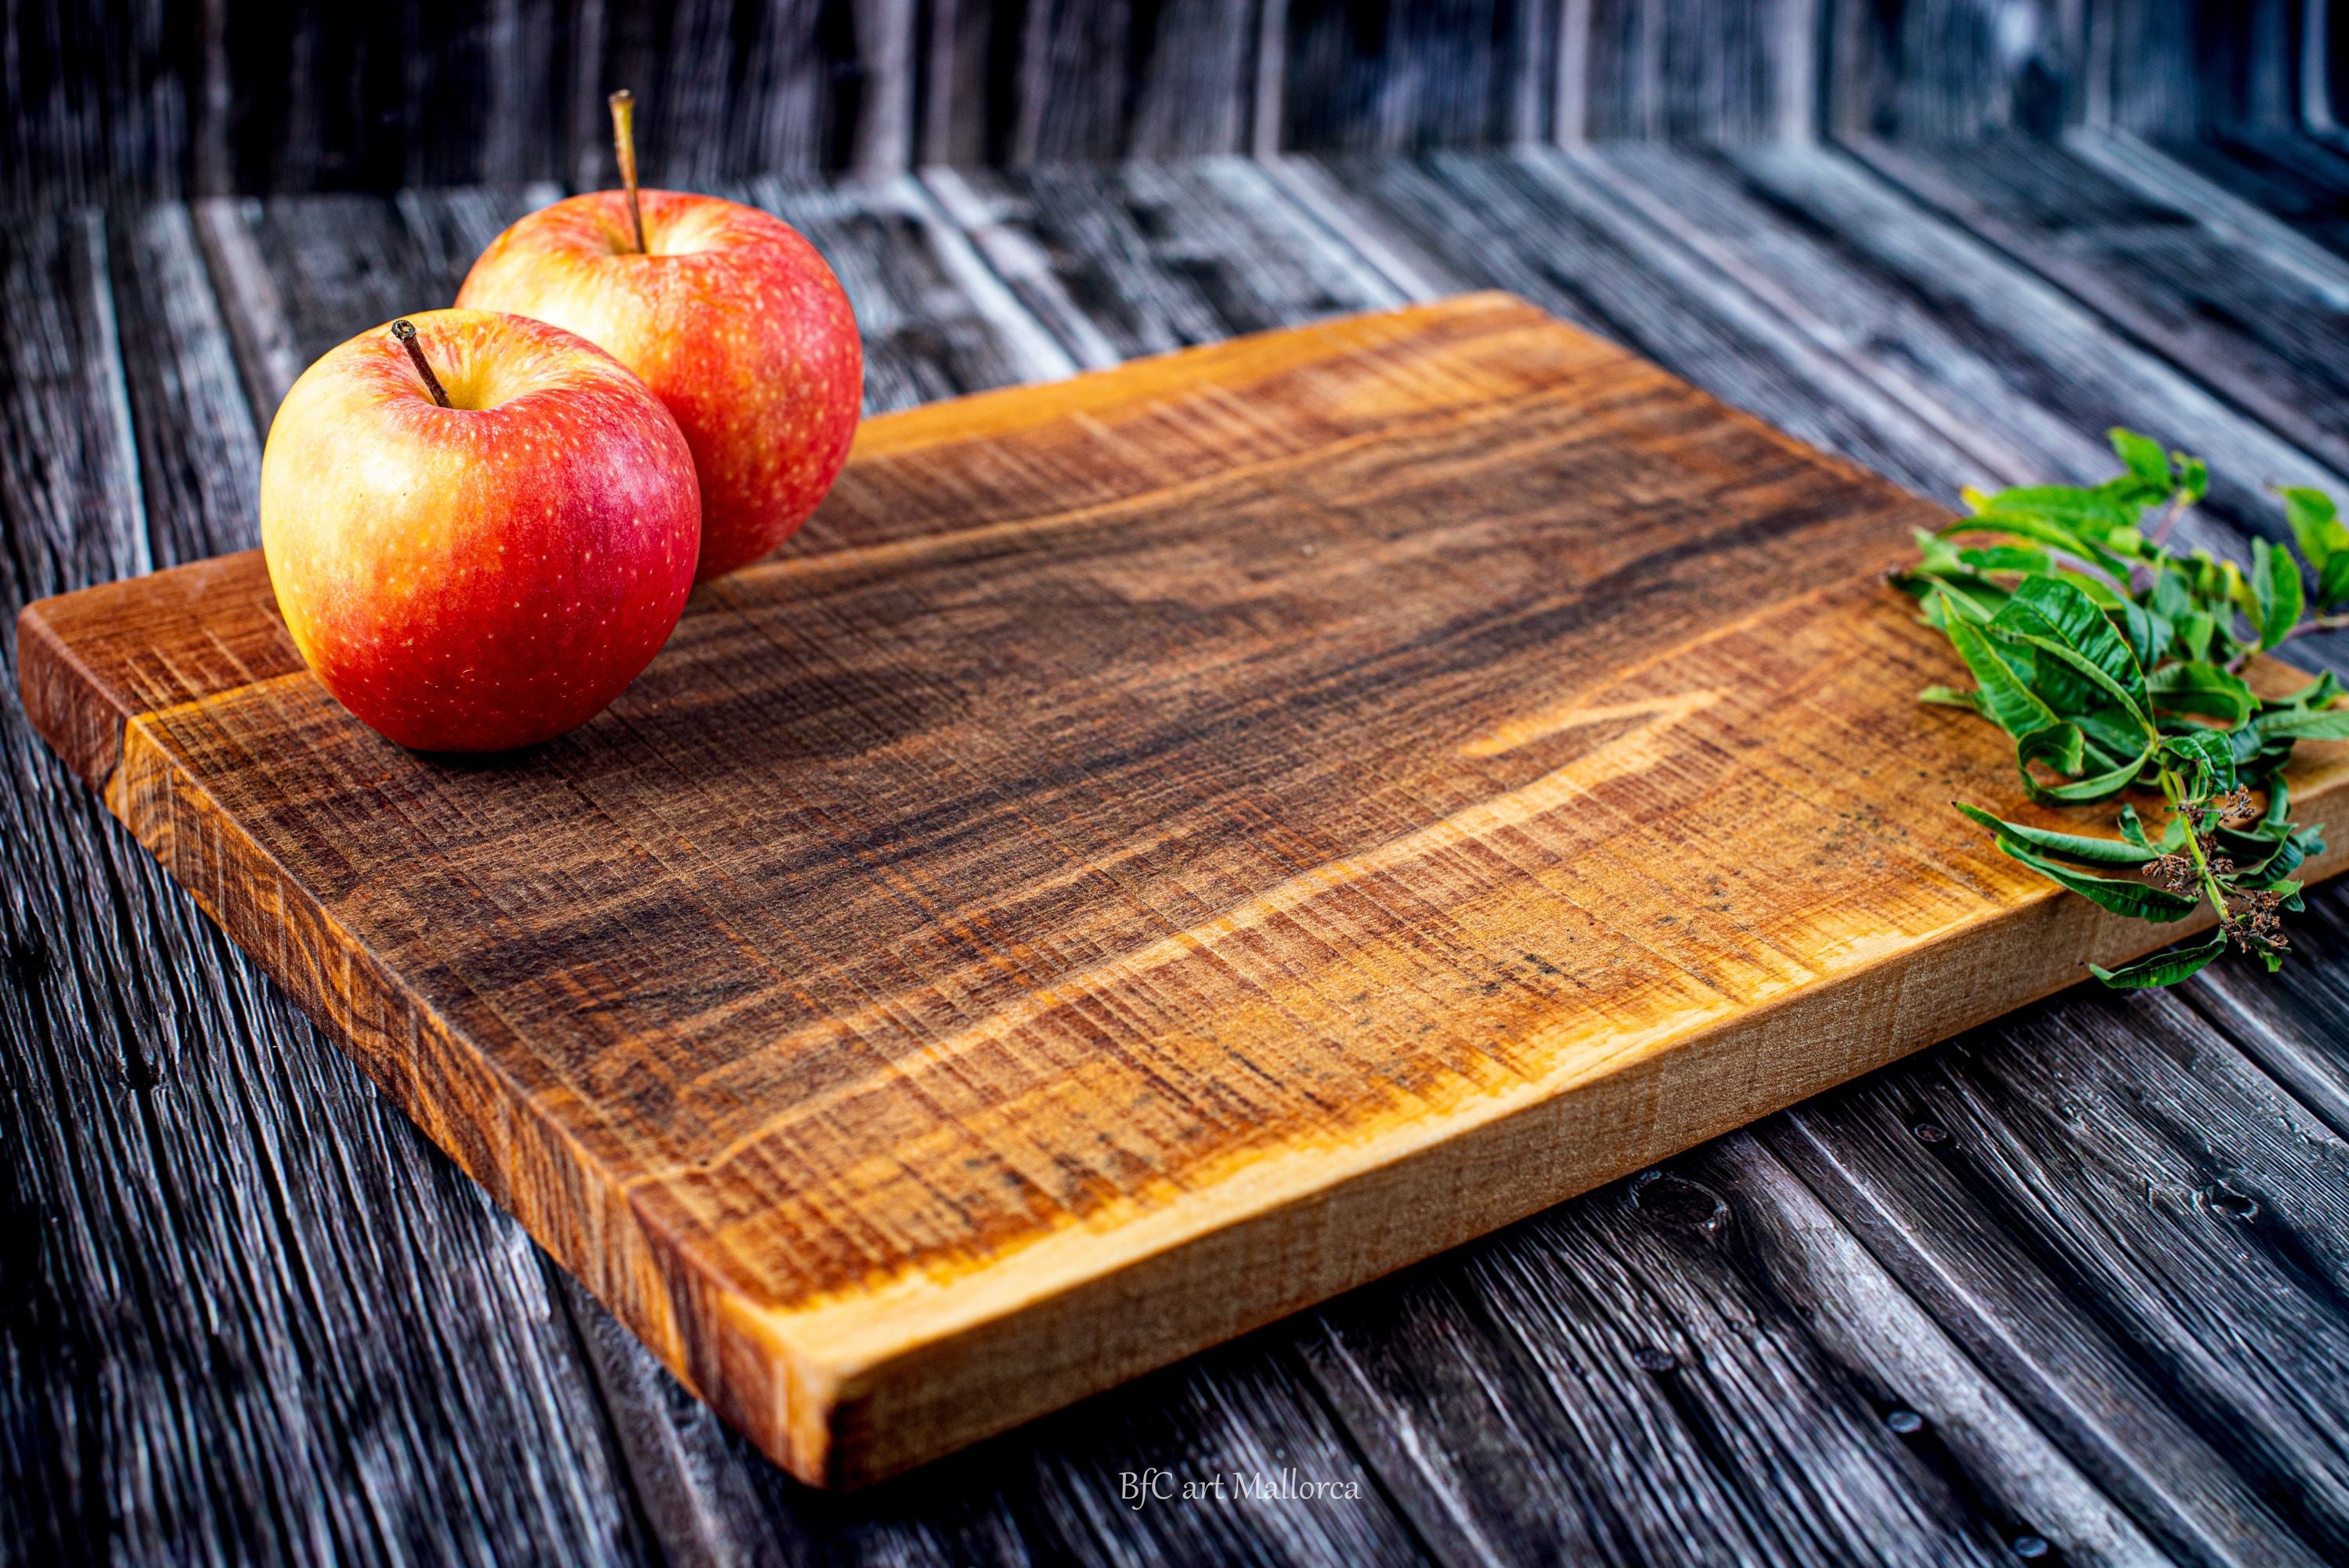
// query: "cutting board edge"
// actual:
[[703, 1328], [87, 735], [2049, 941]]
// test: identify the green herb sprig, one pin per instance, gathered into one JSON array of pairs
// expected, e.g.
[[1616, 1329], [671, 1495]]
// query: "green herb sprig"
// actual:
[[2116, 663]]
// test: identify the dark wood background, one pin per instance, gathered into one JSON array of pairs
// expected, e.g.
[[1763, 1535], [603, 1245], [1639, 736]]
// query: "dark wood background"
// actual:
[[114, 99], [2080, 1278]]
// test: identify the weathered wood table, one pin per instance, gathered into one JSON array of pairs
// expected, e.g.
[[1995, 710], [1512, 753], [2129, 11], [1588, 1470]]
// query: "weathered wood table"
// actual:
[[2075, 1287]]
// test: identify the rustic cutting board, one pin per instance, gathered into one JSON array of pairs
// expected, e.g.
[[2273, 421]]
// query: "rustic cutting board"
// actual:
[[1158, 850]]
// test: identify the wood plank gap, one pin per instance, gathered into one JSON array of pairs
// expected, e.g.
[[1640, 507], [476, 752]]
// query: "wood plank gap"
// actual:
[[124, 447], [1037, 354], [1570, 111], [1867, 1313], [255, 315], [1267, 105], [2160, 178], [1305, 182], [1884, 398], [1022, 267], [1913, 176], [2179, 1488]]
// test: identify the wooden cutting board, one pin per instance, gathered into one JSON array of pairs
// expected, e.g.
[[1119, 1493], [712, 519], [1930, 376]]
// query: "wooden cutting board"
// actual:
[[1157, 851]]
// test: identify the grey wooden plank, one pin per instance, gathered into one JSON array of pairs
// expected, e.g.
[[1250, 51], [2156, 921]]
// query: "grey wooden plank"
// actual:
[[301, 274], [1061, 81], [2291, 1023], [1456, 221], [2184, 68], [936, 323], [326, 99], [256, 1316], [1688, 71], [2135, 161], [2142, 1237], [1895, 345], [1945, 70], [1949, 69], [87, 116], [2265, 331], [1143, 259], [1672, 1371], [68, 470], [1998, 348], [2295, 178], [252, 1313], [1053, 1492], [1402, 78], [199, 449], [724, 90]]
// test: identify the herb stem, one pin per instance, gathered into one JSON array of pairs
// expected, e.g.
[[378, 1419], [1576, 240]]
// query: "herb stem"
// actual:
[[2173, 789], [2314, 623], [2160, 532]]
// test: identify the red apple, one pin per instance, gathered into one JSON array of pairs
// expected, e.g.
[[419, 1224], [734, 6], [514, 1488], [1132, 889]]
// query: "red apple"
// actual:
[[727, 314], [486, 572]]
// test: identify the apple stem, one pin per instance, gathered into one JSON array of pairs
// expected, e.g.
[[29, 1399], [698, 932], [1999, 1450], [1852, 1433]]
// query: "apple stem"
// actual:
[[405, 330], [624, 142]]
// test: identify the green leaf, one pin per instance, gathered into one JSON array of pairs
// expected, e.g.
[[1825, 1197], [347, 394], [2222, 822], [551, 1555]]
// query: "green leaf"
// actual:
[[2237, 590], [2147, 633], [2317, 693], [2060, 745], [2173, 832], [2117, 732], [2211, 753], [2165, 968], [2194, 631], [2193, 477], [2095, 511], [2133, 899], [2279, 812], [2315, 523], [2294, 724], [2276, 592], [1949, 697], [2143, 457], [2006, 701], [2206, 689], [2063, 623], [2024, 525], [2096, 787], [2333, 580], [2074, 847], [2069, 696], [2257, 871], [1970, 598], [2049, 607], [2007, 558]]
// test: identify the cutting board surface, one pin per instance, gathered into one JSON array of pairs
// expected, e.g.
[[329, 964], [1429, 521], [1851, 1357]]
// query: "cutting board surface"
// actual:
[[1156, 851]]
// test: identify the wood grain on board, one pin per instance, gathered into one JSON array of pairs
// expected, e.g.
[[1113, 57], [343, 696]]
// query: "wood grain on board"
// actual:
[[1159, 850]]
